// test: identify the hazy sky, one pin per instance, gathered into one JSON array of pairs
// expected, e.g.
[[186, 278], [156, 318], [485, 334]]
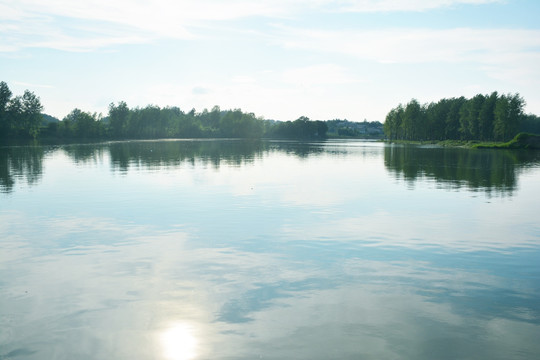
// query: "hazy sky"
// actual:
[[281, 59]]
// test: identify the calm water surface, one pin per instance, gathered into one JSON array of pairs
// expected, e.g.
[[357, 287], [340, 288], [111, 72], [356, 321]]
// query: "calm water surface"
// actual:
[[271, 250]]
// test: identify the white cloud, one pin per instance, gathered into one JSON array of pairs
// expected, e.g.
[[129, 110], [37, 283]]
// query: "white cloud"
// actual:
[[166, 18], [500, 51], [87, 25], [416, 45], [405, 5]]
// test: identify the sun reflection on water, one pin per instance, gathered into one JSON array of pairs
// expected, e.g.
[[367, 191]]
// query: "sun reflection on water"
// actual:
[[179, 342]]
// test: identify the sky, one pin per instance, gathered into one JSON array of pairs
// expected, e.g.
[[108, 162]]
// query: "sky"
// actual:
[[279, 59]]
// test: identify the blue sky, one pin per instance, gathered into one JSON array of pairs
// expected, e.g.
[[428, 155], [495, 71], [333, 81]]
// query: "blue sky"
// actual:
[[280, 59]]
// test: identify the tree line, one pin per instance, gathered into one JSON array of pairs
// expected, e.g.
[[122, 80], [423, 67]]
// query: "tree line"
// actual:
[[490, 117], [21, 118]]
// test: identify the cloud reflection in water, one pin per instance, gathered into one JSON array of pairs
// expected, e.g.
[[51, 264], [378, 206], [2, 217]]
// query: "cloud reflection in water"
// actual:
[[311, 302]]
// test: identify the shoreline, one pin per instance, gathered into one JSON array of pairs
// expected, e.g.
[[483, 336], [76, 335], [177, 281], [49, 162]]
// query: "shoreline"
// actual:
[[525, 141]]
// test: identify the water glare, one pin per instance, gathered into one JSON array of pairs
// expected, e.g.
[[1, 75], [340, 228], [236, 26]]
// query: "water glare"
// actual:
[[179, 342]]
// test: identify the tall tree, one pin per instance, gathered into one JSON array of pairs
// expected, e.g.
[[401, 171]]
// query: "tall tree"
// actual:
[[5, 97], [469, 115], [393, 123], [14, 115], [24, 115], [413, 121], [517, 103], [452, 118], [118, 119], [486, 117], [31, 114], [435, 119], [508, 114]]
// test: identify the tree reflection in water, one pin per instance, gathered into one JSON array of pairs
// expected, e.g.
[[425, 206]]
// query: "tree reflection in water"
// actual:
[[492, 171], [20, 164]]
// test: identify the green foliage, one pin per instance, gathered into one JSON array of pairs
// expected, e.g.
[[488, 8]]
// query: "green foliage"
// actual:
[[469, 117], [345, 128], [530, 124], [486, 117], [153, 122], [413, 120], [5, 97], [81, 125], [47, 119], [118, 119], [236, 124], [483, 117], [520, 141], [301, 128], [393, 124], [20, 116], [508, 113]]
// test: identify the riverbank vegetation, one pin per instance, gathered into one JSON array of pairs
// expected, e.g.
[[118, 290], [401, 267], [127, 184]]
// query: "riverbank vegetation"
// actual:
[[520, 141], [483, 118], [21, 118], [481, 121]]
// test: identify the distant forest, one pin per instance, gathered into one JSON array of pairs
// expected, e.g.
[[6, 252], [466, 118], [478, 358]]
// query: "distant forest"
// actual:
[[491, 117], [21, 118]]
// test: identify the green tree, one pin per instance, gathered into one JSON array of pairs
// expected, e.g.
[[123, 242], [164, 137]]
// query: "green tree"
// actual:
[[393, 124], [321, 129], [230, 123], [188, 125], [508, 114], [31, 107], [25, 114], [436, 114], [14, 113], [83, 124], [517, 103], [469, 115], [5, 97], [414, 121], [530, 124], [486, 117], [451, 129], [118, 119], [215, 115]]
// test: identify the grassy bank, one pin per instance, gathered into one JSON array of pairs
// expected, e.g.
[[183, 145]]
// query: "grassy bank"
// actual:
[[447, 143], [520, 141]]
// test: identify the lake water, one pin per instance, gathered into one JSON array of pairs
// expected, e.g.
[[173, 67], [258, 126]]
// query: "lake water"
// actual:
[[268, 250]]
